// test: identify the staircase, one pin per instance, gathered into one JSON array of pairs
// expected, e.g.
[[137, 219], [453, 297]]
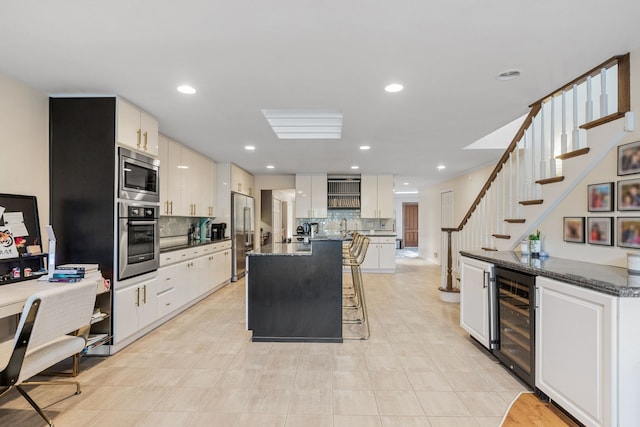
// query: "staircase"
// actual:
[[564, 136]]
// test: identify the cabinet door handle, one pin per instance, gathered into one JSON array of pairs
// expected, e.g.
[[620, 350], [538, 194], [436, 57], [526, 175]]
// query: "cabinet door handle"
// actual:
[[137, 297], [485, 279], [139, 138], [146, 140], [144, 295], [171, 204]]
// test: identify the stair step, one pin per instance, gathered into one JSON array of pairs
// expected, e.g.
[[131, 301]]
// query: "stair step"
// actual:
[[571, 154], [515, 220], [550, 180], [489, 249], [501, 236], [531, 202]]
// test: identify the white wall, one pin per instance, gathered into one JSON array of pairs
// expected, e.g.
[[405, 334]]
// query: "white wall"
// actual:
[[24, 143], [465, 190]]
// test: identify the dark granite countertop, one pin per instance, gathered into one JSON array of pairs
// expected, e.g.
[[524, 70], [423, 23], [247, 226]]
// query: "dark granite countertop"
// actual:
[[192, 245], [605, 279], [293, 249]]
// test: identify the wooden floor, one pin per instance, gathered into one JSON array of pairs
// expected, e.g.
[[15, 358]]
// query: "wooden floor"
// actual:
[[528, 410]]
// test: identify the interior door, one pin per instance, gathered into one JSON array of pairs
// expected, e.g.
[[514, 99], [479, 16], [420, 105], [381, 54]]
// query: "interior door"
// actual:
[[410, 224]]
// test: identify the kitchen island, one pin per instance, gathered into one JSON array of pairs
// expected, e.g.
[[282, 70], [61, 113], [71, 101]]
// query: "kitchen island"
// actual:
[[294, 292]]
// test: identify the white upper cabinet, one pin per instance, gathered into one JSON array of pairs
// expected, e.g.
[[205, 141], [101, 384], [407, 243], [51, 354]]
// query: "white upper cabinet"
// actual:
[[241, 181], [137, 129], [311, 196], [376, 196], [187, 181]]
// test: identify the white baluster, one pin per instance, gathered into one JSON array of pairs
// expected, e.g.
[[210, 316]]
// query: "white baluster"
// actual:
[[504, 200], [518, 178], [563, 135], [552, 132], [543, 143], [604, 102], [575, 134], [589, 102], [534, 170]]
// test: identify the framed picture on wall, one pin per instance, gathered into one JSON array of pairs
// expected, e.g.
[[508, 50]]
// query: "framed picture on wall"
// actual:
[[600, 231], [629, 232], [573, 229], [629, 158], [629, 195], [600, 197]]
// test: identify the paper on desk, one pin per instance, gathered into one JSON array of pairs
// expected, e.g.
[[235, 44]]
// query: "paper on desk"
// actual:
[[1, 211], [15, 220]]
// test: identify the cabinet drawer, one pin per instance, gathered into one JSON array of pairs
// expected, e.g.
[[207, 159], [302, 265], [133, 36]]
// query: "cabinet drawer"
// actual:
[[166, 302]]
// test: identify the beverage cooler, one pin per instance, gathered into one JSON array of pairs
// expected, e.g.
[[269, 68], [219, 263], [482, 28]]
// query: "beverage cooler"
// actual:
[[515, 302]]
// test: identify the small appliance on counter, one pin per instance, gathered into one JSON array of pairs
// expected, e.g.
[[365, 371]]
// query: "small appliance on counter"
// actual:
[[218, 230]]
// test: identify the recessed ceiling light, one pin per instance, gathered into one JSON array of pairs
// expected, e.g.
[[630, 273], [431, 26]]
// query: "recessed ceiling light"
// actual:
[[249, 147], [508, 75], [441, 167], [183, 167], [393, 87], [270, 167], [186, 89], [405, 183], [364, 147], [355, 167]]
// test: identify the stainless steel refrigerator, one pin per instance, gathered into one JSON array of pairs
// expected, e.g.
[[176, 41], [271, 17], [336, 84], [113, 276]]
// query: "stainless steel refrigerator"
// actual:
[[242, 220]]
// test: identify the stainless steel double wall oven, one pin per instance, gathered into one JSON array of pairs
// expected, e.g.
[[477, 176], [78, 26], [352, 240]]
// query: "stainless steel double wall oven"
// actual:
[[138, 210]]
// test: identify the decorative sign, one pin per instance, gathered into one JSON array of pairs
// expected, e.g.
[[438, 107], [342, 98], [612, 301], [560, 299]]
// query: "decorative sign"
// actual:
[[7, 243]]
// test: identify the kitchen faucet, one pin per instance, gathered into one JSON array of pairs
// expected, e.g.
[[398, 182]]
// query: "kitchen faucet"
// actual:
[[343, 227]]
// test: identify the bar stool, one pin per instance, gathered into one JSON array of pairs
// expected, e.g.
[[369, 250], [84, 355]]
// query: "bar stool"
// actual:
[[355, 261], [349, 256]]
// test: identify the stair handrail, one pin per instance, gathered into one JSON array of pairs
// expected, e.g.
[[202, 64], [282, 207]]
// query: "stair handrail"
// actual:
[[624, 106]]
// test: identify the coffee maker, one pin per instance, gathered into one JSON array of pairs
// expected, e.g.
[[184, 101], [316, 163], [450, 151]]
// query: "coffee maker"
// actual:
[[218, 230]]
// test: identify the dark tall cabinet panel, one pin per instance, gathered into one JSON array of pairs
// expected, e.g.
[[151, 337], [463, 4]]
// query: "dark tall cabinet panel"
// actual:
[[82, 164]]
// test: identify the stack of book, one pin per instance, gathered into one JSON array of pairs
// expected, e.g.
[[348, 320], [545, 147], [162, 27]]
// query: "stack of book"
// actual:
[[67, 274]]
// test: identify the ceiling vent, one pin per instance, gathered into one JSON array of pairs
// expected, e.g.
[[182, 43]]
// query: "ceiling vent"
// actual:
[[305, 124]]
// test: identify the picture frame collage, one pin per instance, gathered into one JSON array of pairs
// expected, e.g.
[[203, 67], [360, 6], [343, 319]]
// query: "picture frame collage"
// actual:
[[601, 198]]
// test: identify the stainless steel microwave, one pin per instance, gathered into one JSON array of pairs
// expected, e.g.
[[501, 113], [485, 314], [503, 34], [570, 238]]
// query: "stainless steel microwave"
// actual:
[[139, 177]]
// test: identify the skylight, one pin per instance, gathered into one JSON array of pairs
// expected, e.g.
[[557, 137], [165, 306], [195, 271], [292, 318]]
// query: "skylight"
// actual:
[[305, 124]]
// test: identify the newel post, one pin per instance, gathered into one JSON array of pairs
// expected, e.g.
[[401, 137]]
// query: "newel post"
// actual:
[[449, 293]]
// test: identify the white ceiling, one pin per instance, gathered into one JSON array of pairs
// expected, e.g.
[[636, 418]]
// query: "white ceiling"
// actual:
[[244, 56]]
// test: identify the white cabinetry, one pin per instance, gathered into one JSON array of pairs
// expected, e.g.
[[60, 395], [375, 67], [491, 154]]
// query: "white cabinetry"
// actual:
[[137, 129], [576, 350], [311, 196], [135, 308], [381, 255], [376, 196], [475, 294], [241, 181], [187, 181]]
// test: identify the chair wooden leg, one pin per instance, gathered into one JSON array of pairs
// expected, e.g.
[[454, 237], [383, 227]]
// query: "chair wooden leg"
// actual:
[[35, 405]]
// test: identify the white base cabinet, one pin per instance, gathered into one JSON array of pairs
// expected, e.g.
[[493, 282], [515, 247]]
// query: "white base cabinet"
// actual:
[[475, 286], [588, 353], [381, 255], [575, 345], [135, 308]]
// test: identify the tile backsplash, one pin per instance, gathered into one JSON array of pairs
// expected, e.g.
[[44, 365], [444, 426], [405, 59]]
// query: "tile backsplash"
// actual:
[[331, 224]]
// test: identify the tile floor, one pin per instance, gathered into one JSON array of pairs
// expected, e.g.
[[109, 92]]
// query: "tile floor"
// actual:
[[418, 368]]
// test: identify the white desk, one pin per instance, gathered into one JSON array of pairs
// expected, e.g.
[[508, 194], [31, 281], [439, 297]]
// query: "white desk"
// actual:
[[13, 296]]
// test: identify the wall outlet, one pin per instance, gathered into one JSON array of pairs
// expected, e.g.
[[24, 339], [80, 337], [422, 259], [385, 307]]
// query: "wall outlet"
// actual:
[[435, 254]]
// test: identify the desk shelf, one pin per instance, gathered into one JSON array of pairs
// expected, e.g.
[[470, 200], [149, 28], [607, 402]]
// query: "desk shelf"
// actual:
[[35, 262]]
